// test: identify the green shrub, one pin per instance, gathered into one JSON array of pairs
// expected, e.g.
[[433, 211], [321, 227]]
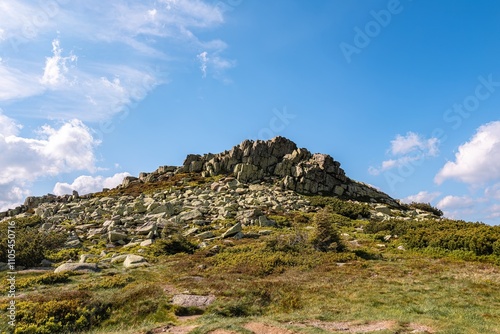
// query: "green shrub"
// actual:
[[68, 312], [326, 236], [451, 235], [46, 279], [280, 220], [107, 282], [256, 260], [234, 309], [172, 245], [63, 255], [345, 208], [31, 245], [426, 207], [294, 242]]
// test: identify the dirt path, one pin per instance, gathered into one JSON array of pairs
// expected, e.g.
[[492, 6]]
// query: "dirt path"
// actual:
[[333, 327]]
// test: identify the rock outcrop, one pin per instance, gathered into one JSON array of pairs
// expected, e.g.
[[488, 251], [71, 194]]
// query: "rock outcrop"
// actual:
[[295, 168]]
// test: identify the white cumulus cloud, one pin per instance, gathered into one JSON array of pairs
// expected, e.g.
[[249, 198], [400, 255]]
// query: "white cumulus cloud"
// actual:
[[476, 161], [422, 197], [86, 184], [451, 202], [51, 151]]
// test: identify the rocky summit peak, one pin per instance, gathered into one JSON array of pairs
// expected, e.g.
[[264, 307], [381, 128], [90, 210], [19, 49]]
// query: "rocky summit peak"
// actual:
[[280, 160]]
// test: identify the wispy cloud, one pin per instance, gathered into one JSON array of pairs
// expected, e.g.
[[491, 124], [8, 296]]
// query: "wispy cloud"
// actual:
[[56, 67], [406, 149], [103, 83], [202, 57]]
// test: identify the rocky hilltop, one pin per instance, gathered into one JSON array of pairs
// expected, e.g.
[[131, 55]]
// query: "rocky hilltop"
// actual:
[[276, 162]]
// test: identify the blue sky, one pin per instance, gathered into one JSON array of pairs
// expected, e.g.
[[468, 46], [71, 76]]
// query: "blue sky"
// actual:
[[405, 94]]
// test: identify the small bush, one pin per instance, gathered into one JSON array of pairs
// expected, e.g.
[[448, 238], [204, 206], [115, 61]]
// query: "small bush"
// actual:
[[183, 311], [426, 207], [281, 221], [68, 312], [345, 208], [46, 279], [234, 309], [63, 255], [293, 242], [31, 245], [173, 245], [107, 282], [326, 236]]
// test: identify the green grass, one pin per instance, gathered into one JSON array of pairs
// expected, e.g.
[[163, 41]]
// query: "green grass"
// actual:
[[283, 279]]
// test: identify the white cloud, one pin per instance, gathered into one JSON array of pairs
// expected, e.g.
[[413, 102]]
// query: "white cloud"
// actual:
[[494, 211], [53, 151], [422, 197], [11, 196], [456, 202], [413, 142], [476, 161], [202, 57], [56, 66], [102, 84], [218, 65], [407, 149], [17, 84], [8, 127], [493, 192], [86, 184]]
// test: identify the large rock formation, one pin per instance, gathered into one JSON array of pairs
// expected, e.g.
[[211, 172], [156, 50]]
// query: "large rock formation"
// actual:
[[295, 168]]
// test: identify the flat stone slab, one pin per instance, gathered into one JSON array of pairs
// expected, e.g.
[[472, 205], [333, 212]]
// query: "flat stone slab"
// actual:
[[85, 267], [134, 261], [193, 300]]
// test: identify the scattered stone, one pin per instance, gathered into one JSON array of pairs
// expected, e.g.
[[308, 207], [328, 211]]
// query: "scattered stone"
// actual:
[[205, 235], [83, 267], [134, 261], [146, 243], [265, 222], [119, 258], [187, 300], [114, 236], [233, 231]]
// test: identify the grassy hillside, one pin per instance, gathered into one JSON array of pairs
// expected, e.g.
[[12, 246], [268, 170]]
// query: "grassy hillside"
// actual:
[[331, 270]]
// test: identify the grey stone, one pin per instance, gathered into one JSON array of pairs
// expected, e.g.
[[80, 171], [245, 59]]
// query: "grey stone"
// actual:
[[146, 228], [134, 261], [186, 300], [205, 235], [190, 215], [84, 267], [146, 242], [265, 222], [233, 230], [114, 236]]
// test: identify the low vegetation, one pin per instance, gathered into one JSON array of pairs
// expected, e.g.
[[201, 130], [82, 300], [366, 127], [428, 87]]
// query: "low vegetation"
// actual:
[[31, 244], [330, 266]]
